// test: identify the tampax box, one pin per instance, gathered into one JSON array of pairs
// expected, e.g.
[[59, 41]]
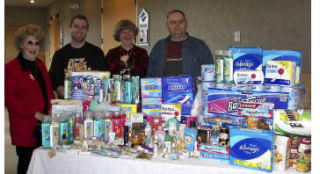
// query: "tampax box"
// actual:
[[251, 148], [151, 106], [284, 55], [151, 88], [246, 58]]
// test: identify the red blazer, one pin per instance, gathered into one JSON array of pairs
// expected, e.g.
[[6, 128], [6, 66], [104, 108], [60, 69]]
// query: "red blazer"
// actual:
[[23, 98]]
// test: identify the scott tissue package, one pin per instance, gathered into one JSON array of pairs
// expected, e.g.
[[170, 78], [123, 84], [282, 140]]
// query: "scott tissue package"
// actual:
[[251, 148], [178, 90], [282, 67], [246, 58]]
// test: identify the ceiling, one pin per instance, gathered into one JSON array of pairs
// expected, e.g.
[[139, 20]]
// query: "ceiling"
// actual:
[[37, 3]]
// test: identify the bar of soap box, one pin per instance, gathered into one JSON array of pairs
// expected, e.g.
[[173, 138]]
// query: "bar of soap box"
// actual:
[[251, 148]]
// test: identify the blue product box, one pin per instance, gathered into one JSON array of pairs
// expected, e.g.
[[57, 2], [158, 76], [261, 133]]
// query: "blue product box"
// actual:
[[214, 152], [251, 148], [151, 88], [246, 58], [178, 90], [284, 55]]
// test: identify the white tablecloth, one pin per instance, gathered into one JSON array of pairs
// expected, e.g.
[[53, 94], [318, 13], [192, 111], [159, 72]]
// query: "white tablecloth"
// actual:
[[69, 163]]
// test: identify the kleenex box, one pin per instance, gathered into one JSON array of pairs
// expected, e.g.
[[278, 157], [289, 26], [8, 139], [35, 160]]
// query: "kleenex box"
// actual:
[[251, 148]]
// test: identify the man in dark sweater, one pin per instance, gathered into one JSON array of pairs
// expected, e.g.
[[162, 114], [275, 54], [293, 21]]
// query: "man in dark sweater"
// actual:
[[78, 55]]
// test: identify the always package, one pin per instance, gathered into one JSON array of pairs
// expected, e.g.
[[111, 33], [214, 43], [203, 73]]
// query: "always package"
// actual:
[[251, 148]]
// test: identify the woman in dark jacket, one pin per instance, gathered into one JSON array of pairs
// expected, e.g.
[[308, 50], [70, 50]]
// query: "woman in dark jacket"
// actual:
[[127, 56], [28, 93]]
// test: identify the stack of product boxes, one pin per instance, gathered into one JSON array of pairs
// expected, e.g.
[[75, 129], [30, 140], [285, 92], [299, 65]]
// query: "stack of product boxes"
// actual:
[[246, 96]]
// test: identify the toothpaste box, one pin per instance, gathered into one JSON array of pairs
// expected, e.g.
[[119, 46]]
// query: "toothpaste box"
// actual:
[[151, 88], [178, 90], [280, 73], [246, 58], [251, 148], [284, 55], [214, 152]]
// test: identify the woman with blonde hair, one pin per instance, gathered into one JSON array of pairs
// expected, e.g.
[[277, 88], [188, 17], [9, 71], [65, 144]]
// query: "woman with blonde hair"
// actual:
[[28, 93]]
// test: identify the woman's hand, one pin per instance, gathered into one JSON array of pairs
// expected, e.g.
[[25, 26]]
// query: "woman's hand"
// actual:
[[124, 58], [39, 116]]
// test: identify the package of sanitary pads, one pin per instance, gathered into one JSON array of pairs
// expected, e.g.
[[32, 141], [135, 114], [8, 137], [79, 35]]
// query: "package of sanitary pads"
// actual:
[[178, 90]]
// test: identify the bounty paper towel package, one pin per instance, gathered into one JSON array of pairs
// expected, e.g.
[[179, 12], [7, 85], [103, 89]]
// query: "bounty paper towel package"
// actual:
[[284, 55], [251, 148], [178, 90], [246, 58]]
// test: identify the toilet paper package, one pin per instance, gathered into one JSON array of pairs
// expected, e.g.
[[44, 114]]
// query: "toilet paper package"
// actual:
[[228, 101], [208, 72], [284, 55], [246, 58], [251, 148], [178, 90]]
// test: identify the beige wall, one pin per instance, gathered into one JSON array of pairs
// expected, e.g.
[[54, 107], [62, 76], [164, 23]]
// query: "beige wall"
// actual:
[[115, 10], [272, 24]]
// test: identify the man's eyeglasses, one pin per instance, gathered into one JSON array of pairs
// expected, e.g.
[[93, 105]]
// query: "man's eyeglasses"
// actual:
[[174, 22], [30, 43]]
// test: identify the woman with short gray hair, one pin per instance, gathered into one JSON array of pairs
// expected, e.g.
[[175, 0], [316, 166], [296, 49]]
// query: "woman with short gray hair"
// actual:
[[127, 57]]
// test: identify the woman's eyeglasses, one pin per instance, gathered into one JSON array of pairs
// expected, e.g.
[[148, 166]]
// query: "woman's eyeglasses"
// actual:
[[30, 43]]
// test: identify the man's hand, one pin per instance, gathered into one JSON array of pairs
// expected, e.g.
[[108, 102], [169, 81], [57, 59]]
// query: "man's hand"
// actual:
[[60, 92]]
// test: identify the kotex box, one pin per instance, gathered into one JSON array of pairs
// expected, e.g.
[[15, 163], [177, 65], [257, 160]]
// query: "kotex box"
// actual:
[[178, 90], [284, 55], [246, 58], [151, 88], [171, 111], [251, 148]]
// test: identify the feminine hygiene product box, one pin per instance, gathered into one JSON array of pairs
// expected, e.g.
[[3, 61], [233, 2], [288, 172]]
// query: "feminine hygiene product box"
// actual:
[[247, 58], [178, 90], [284, 55], [151, 88], [251, 148]]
